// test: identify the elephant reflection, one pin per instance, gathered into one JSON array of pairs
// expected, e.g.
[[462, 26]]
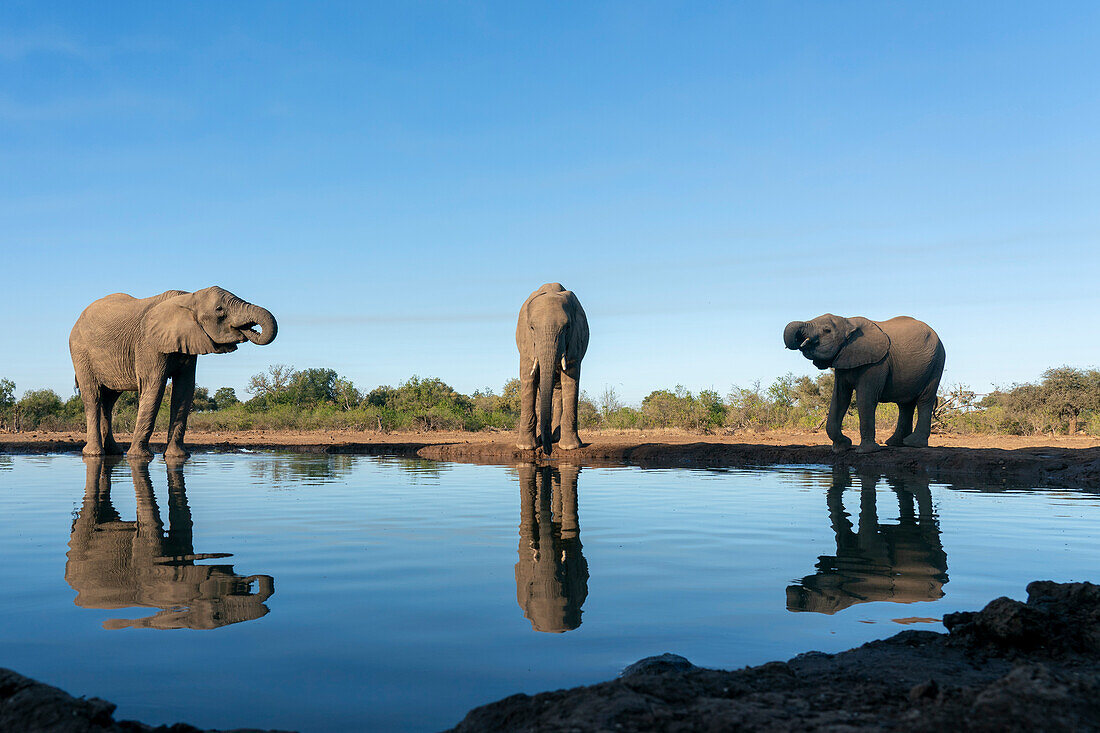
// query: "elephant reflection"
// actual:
[[901, 563], [552, 574], [119, 564]]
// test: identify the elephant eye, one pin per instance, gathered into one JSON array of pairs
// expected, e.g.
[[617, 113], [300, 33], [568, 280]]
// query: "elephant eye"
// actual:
[[828, 330]]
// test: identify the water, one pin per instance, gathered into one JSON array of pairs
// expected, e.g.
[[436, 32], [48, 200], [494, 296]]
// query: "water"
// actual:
[[351, 593]]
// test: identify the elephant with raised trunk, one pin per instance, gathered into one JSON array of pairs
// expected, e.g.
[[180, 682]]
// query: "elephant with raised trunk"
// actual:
[[899, 360], [900, 563], [552, 337], [121, 343]]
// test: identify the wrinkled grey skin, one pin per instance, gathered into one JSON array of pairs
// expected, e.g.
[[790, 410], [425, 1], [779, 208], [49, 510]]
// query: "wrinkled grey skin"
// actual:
[[899, 360], [552, 337], [121, 343]]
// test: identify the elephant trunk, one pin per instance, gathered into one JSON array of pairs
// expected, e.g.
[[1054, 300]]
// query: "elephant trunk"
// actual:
[[794, 334], [265, 586], [255, 315], [548, 365]]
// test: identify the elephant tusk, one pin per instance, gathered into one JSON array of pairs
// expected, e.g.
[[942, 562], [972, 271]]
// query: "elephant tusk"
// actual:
[[534, 365], [803, 344], [563, 367]]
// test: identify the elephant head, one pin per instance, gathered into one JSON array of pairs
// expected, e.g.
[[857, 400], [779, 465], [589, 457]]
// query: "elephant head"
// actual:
[[558, 333], [208, 321], [833, 341]]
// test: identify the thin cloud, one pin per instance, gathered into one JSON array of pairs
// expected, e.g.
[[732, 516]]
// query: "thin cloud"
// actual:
[[397, 319], [17, 47], [111, 104]]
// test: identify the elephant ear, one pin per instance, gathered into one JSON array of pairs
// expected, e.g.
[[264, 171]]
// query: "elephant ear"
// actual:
[[866, 344], [578, 332], [171, 328]]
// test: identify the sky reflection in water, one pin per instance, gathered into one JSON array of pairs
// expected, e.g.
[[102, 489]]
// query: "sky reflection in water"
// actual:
[[337, 592]]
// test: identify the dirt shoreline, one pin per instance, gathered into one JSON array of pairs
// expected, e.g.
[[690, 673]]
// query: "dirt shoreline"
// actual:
[[1060, 462], [1011, 666]]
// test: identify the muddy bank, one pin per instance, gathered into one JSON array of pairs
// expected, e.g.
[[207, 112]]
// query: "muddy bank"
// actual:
[[27, 705], [966, 460], [1011, 666]]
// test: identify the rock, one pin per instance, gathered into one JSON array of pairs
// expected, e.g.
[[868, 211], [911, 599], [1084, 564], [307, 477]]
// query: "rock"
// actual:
[[656, 665], [27, 705], [1010, 666]]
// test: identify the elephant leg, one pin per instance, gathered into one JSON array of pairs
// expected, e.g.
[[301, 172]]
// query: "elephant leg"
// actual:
[[150, 394], [108, 398], [91, 394], [570, 394], [556, 430], [838, 407], [905, 424], [926, 405], [183, 394], [919, 436], [525, 440], [866, 404]]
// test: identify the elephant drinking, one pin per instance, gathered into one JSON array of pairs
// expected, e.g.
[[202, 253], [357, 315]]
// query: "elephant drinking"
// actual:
[[899, 360], [121, 343], [552, 338]]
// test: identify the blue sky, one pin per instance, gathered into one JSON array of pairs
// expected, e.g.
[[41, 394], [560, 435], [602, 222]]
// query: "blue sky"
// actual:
[[393, 179]]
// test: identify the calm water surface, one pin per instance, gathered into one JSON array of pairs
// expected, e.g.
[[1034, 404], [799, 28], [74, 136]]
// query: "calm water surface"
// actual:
[[345, 592]]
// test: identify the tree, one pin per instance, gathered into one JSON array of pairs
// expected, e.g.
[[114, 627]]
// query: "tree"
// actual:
[[7, 393], [609, 401], [275, 380], [347, 396], [1069, 392], [35, 406], [202, 402], [312, 387], [225, 397]]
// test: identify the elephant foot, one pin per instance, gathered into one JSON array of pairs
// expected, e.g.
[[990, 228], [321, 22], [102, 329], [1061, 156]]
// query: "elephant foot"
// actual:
[[895, 442], [175, 453], [916, 441], [92, 451], [526, 443], [112, 449], [570, 443], [141, 453], [869, 446], [841, 446]]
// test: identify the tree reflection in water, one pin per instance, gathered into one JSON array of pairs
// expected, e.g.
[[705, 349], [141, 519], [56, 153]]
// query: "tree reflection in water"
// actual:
[[120, 564], [900, 563], [552, 574]]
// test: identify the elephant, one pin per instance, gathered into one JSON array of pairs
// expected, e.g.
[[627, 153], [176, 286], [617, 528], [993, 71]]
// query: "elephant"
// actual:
[[120, 564], [121, 343], [552, 574], [899, 360], [900, 563], [552, 338]]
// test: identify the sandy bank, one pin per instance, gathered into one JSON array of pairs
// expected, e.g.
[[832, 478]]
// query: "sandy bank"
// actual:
[[996, 460]]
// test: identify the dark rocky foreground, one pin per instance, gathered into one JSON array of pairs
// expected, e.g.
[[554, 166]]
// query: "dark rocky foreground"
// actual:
[[1011, 666], [32, 707]]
